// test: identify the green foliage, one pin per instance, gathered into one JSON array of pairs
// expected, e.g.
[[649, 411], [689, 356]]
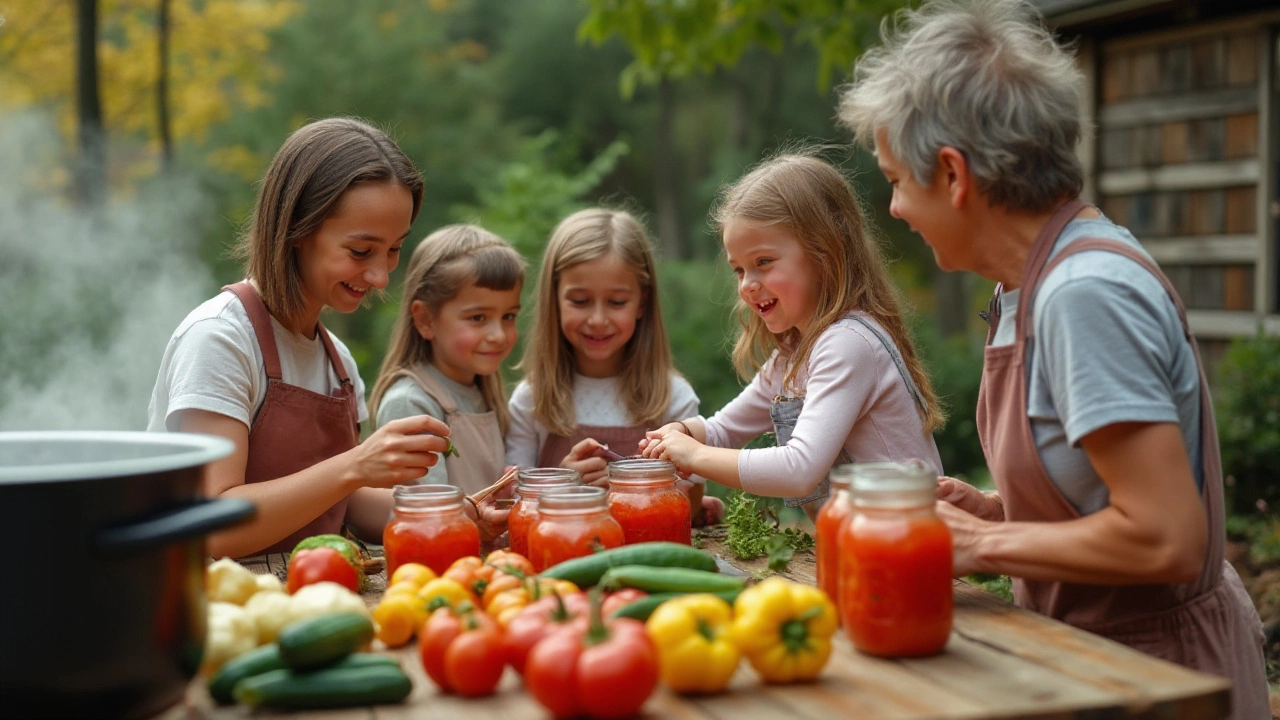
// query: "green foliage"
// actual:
[[531, 194], [955, 366], [1261, 533], [754, 531], [1248, 414], [678, 38], [999, 585], [697, 311]]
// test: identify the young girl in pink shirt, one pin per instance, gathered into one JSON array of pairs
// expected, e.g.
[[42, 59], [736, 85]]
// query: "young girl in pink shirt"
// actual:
[[836, 377]]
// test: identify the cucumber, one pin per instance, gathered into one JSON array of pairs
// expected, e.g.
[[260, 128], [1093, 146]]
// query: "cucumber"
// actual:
[[641, 609], [255, 662], [669, 579], [586, 571], [320, 641], [267, 658], [333, 687]]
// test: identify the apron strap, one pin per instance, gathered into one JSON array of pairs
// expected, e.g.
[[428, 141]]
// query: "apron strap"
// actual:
[[897, 361], [1034, 269], [430, 385], [260, 319]]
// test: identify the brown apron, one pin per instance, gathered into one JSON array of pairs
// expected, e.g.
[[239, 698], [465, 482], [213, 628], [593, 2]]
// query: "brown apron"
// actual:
[[1209, 624], [480, 460], [295, 427], [622, 439]]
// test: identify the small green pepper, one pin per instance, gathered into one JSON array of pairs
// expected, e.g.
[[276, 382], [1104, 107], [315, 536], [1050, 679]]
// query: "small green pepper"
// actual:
[[451, 450]]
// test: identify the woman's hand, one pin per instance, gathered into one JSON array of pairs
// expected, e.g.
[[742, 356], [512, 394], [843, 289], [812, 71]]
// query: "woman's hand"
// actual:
[[584, 458], [987, 506], [966, 530], [399, 452]]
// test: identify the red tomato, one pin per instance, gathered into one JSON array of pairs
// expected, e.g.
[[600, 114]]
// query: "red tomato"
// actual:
[[319, 565], [621, 598], [462, 652], [593, 668], [536, 621]]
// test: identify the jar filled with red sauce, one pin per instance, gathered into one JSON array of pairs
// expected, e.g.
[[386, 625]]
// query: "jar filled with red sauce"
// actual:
[[830, 522], [428, 526], [531, 483], [647, 503], [572, 522], [895, 562]]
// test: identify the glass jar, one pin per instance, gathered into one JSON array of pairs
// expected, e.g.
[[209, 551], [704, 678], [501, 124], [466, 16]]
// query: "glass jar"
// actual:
[[895, 568], [530, 484], [572, 522], [829, 523], [428, 526], [647, 503]]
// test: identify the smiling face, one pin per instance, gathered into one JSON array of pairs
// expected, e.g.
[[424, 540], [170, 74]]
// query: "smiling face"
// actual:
[[600, 302], [927, 210], [776, 279], [354, 250], [472, 333]]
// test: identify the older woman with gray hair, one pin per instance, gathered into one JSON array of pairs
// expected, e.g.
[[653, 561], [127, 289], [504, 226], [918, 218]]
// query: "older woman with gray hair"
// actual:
[[1094, 411]]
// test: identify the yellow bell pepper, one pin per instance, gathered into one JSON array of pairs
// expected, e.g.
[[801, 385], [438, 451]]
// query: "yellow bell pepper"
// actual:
[[696, 650], [784, 629]]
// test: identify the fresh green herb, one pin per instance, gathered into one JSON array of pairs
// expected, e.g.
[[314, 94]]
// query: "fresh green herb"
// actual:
[[754, 532], [451, 450]]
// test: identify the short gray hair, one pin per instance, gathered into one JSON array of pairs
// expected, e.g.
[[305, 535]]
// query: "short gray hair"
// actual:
[[984, 77]]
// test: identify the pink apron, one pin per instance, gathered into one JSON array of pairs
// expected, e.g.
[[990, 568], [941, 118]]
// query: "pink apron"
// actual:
[[1209, 624]]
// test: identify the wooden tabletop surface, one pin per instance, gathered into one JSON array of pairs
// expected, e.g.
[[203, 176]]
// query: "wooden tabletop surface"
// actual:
[[1001, 662]]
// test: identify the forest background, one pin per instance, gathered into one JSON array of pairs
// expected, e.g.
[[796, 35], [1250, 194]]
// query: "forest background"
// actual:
[[133, 133]]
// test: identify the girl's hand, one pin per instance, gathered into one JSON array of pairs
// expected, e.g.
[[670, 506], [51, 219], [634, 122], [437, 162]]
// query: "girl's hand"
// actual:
[[584, 458], [675, 447], [966, 532], [399, 452], [652, 436], [987, 506]]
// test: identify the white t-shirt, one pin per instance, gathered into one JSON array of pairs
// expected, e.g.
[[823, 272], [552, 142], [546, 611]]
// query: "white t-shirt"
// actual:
[[213, 362], [596, 401]]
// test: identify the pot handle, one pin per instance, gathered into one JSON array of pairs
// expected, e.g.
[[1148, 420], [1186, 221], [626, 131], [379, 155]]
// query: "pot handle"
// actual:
[[175, 525]]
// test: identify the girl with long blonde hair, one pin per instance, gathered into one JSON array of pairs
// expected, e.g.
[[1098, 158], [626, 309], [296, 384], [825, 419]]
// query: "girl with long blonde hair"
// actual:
[[836, 377], [598, 369]]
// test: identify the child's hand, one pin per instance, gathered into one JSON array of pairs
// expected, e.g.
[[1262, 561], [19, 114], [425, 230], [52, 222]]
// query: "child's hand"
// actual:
[[653, 436], [586, 460], [675, 447]]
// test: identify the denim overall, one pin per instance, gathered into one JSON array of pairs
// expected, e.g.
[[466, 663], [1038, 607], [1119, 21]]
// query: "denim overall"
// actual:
[[784, 411]]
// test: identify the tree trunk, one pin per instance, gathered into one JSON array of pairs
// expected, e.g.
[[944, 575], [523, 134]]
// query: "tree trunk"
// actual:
[[665, 193], [951, 300], [162, 88], [91, 171]]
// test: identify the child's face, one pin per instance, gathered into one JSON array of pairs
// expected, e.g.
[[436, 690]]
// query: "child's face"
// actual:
[[472, 333], [776, 279], [355, 249], [600, 302]]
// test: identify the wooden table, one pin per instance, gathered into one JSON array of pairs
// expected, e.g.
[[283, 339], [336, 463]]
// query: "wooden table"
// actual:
[[1001, 662]]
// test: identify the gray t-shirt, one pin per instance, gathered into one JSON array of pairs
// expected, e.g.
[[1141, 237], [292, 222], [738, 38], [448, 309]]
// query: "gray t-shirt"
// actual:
[[406, 398], [1108, 348]]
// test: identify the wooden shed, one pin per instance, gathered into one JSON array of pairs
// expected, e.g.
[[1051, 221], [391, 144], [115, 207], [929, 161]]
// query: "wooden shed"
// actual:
[[1183, 97]]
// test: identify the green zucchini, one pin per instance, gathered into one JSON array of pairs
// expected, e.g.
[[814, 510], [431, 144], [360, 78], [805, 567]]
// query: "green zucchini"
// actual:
[[332, 687], [586, 571], [669, 579], [641, 609], [320, 641], [255, 662]]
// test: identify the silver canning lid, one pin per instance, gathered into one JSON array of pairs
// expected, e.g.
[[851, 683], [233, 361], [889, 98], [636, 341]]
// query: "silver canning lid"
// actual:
[[891, 477], [640, 469]]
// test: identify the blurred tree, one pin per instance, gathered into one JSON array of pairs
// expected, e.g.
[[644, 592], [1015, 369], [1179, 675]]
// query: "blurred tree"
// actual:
[[91, 161], [218, 61]]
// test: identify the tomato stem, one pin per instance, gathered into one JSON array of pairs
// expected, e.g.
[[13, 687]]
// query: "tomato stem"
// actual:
[[596, 631]]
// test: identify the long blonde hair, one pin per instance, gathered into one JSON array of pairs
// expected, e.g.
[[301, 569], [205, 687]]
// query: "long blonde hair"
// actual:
[[548, 361], [444, 263], [813, 200]]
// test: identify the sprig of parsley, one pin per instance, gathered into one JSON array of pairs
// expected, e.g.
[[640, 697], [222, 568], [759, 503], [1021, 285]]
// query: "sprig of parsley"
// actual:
[[754, 532]]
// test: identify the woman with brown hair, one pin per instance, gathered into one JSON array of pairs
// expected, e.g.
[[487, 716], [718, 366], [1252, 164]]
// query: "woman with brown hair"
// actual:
[[254, 364]]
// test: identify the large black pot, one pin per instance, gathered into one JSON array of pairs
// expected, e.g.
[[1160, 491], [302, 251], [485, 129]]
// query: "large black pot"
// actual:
[[102, 613]]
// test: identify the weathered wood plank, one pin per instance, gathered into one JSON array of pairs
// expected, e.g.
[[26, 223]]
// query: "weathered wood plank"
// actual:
[[1237, 287], [1188, 176], [1186, 106], [1224, 249], [1242, 136], [1242, 58]]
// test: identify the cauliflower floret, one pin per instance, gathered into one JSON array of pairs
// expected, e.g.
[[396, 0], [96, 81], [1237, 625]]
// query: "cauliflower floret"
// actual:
[[228, 581]]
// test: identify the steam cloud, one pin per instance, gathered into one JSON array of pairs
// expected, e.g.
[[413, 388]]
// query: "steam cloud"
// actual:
[[87, 300]]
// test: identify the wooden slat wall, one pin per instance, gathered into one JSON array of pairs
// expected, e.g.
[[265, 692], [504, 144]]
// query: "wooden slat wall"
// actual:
[[1178, 156]]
